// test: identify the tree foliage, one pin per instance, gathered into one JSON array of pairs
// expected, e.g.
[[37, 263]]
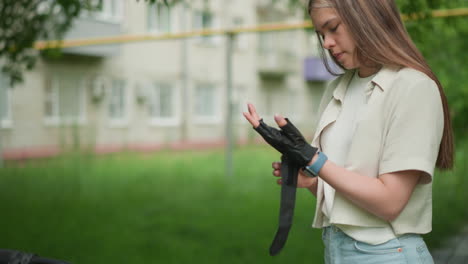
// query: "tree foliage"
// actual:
[[443, 43], [23, 22]]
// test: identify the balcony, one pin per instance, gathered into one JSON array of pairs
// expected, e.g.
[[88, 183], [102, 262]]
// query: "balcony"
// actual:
[[276, 64], [86, 28], [274, 57]]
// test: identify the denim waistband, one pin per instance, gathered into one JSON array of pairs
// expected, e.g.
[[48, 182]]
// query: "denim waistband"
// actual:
[[343, 249]]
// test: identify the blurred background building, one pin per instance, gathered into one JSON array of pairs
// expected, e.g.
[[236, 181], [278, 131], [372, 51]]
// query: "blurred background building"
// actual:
[[170, 93]]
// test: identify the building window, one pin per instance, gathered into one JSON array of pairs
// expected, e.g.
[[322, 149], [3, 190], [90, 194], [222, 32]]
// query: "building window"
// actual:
[[64, 100], [205, 20], [5, 101], [159, 18], [162, 104], [202, 20], [51, 102], [107, 10], [117, 103], [241, 42], [205, 103]]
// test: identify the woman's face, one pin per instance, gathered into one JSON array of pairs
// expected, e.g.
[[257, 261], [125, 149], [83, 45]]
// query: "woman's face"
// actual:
[[335, 36]]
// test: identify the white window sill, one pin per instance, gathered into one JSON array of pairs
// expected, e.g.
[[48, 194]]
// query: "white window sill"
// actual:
[[55, 121], [206, 120], [163, 122], [106, 19]]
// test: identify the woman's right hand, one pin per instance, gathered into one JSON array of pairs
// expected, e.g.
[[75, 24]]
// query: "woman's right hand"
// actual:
[[303, 181]]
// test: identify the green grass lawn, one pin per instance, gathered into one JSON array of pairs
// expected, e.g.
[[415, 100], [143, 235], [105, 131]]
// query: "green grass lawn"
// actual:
[[172, 207], [165, 208]]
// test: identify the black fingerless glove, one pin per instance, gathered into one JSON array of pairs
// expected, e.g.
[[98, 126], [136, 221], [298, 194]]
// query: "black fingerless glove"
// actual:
[[288, 141]]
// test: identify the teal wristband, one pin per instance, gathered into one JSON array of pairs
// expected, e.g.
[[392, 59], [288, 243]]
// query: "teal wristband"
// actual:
[[314, 169]]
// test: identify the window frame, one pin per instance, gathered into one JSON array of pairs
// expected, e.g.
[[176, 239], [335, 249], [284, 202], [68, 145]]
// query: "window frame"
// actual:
[[122, 102], [197, 25], [107, 14], [56, 119], [154, 95], [241, 41], [155, 27], [207, 119]]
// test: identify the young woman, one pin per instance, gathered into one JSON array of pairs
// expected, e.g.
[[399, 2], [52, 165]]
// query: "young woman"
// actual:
[[384, 127]]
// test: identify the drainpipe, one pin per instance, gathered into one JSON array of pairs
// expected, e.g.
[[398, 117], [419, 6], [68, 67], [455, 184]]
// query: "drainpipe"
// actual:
[[184, 74], [229, 105]]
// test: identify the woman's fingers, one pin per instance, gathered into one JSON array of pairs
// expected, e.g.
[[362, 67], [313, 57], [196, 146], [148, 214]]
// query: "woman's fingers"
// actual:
[[251, 120], [252, 116], [277, 173], [276, 168], [280, 120], [254, 119], [253, 111], [276, 165], [303, 181]]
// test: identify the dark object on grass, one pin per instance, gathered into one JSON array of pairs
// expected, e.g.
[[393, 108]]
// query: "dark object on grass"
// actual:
[[8, 256]]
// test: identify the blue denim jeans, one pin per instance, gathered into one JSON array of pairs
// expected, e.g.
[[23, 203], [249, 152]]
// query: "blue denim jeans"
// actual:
[[342, 249]]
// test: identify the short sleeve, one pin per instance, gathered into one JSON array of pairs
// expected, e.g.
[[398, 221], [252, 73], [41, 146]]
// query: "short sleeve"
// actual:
[[415, 128]]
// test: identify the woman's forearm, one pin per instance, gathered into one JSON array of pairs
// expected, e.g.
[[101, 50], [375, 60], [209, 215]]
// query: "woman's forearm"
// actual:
[[384, 198]]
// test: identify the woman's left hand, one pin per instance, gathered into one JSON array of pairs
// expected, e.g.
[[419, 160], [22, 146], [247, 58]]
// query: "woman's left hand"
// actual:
[[288, 140], [303, 181]]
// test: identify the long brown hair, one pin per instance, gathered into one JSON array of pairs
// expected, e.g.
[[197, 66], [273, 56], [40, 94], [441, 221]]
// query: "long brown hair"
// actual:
[[382, 39]]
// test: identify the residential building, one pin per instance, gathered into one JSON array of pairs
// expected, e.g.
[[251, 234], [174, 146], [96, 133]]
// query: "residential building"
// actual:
[[171, 93]]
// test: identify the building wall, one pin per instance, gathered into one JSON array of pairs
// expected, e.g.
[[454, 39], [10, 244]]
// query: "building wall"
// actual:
[[139, 64]]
